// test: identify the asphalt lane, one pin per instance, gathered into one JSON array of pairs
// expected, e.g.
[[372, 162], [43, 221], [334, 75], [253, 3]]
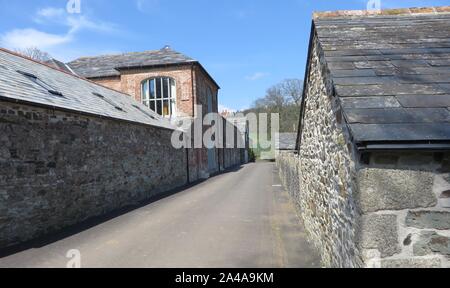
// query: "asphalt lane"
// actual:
[[239, 219]]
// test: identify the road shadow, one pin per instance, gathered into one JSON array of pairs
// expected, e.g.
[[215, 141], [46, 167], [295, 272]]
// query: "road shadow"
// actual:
[[98, 220]]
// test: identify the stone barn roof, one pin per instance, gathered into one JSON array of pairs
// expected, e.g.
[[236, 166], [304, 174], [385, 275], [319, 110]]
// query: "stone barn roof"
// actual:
[[60, 65], [26, 81], [391, 74]]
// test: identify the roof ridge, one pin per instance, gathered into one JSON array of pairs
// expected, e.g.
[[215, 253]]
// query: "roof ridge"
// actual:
[[128, 53], [116, 54], [59, 70], [383, 12]]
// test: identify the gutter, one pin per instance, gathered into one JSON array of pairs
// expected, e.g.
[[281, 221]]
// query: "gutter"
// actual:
[[419, 146]]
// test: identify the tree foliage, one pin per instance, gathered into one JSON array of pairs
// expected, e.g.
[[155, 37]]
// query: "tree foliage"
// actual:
[[283, 98]]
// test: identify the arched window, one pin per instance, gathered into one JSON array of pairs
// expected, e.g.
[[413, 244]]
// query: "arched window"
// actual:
[[159, 94]]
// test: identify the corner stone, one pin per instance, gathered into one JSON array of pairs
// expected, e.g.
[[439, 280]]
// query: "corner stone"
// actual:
[[380, 232], [386, 189], [428, 220], [430, 243]]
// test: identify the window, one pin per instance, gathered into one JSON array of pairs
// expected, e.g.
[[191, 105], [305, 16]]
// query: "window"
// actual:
[[41, 83], [159, 94]]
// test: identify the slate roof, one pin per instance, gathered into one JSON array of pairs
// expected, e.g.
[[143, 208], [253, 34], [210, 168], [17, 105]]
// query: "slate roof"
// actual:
[[60, 90], [391, 72], [285, 141], [108, 65], [60, 65]]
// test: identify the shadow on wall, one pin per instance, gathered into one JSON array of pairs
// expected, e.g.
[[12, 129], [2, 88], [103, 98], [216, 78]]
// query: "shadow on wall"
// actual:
[[95, 221]]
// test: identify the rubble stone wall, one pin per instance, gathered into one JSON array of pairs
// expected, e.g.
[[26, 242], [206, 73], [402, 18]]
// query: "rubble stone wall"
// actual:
[[59, 168]]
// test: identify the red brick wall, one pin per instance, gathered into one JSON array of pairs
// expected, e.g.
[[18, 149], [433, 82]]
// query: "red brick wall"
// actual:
[[112, 82], [132, 79], [191, 83]]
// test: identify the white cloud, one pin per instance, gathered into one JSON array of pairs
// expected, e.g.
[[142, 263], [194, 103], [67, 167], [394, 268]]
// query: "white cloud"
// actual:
[[32, 37], [257, 76], [75, 22], [23, 38]]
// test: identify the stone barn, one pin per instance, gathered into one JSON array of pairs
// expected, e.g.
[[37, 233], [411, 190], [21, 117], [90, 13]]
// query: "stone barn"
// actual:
[[371, 174]]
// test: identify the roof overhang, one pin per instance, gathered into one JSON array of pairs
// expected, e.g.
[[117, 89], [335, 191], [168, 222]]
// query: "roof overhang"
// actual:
[[425, 146]]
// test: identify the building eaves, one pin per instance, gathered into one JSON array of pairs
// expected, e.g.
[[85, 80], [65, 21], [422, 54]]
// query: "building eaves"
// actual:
[[390, 72]]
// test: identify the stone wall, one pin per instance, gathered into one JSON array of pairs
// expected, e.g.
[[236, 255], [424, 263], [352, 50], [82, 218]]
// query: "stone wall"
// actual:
[[393, 210], [230, 157], [405, 207], [324, 191], [60, 168]]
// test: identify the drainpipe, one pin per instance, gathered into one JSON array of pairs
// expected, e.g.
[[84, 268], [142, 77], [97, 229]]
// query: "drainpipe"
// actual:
[[224, 123], [187, 166], [194, 99]]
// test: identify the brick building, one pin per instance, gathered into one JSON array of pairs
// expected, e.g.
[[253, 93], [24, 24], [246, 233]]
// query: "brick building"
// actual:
[[167, 82]]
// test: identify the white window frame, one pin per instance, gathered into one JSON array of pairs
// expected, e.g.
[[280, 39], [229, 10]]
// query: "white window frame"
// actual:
[[149, 83]]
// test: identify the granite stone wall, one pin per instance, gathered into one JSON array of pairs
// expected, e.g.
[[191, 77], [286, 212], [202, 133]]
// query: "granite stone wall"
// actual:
[[405, 207], [60, 168]]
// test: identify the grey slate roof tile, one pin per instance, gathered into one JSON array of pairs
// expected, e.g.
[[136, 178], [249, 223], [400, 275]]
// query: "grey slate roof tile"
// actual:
[[398, 115], [77, 93], [443, 62], [60, 65], [353, 73], [391, 74], [389, 89], [107, 65], [416, 101], [370, 102], [400, 132], [285, 141]]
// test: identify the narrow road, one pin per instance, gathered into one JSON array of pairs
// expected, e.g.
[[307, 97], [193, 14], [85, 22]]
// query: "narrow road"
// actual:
[[239, 219]]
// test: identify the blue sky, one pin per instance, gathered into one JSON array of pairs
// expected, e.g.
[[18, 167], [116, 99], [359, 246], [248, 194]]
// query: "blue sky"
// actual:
[[246, 45]]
